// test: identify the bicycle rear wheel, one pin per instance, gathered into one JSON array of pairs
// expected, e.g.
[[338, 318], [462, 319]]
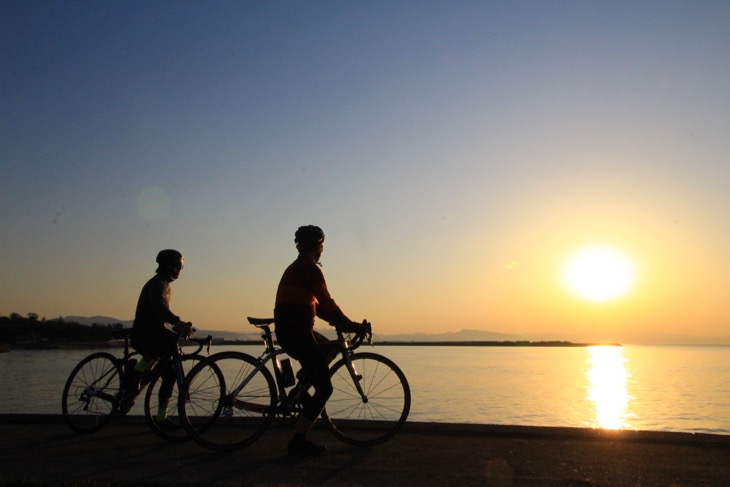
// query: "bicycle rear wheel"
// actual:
[[90, 395], [171, 430], [215, 416], [378, 414]]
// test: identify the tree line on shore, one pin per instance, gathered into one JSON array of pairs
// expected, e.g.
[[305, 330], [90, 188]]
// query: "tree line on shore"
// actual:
[[34, 331]]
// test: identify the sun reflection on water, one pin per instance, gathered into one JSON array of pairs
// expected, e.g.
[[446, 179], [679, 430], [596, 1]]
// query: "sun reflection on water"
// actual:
[[608, 387]]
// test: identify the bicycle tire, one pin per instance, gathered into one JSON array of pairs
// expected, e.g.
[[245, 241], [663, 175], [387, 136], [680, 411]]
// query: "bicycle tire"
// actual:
[[212, 416], [90, 395], [375, 419], [176, 432]]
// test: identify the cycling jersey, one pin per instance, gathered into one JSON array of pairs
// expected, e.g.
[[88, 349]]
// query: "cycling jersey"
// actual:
[[149, 333], [303, 294]]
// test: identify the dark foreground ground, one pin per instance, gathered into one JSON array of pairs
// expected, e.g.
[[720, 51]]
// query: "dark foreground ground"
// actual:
[[41, 451]]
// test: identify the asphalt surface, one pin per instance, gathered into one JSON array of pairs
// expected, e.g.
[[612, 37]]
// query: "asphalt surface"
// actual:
[[41, 450]]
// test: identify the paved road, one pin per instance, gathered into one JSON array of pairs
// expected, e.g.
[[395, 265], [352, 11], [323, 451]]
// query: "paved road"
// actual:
[[42, 449]]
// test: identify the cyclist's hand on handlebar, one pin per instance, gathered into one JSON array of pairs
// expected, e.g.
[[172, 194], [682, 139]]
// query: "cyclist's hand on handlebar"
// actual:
[[353, 327], [184, 329], [362, 330], [367, 330]]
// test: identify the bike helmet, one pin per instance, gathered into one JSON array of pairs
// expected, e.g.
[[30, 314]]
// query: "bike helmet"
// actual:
[[308, 236], [167, 259]]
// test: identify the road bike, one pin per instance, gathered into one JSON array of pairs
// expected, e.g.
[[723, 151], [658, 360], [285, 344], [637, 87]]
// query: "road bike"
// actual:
[[233, 397], [97, 388]]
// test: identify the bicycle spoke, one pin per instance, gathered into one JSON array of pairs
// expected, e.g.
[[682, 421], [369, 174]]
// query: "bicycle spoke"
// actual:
[[375, 416], [224, 411], [89, 396]]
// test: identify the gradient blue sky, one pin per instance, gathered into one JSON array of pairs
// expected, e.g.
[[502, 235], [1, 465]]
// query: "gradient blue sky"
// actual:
[[455, 153]]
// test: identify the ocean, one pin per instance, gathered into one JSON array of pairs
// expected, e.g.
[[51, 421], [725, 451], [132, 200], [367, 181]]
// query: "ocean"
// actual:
[[654, 388]]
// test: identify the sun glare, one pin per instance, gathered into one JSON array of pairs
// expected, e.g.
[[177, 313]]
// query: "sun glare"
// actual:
[[608, 387], [599, 273]]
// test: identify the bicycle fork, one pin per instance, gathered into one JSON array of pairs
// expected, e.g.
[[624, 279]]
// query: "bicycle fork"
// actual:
[[356, 377], [180, 378]]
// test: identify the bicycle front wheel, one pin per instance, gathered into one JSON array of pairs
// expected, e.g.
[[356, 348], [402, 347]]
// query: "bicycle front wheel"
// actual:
[[90, 394], [230, 401], [172, 429], [370, 404]]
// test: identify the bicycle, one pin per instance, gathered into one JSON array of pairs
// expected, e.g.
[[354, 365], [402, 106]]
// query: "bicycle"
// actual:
[[96, 389], [233, 397]]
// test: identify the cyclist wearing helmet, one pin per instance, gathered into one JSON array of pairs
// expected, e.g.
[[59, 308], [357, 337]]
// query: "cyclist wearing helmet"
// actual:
[[150, 335], [302, 294]]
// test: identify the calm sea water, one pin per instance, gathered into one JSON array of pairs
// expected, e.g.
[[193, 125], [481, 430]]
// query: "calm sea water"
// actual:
[[659, 388]]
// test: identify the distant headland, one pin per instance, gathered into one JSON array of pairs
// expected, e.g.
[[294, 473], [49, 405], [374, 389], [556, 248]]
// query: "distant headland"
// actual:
[[31, 331]]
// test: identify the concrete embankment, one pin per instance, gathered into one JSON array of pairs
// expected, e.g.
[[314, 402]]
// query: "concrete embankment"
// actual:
[[41, 450]]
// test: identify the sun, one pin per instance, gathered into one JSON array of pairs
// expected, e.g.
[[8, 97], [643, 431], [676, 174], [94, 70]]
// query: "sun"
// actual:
[[599, 273]]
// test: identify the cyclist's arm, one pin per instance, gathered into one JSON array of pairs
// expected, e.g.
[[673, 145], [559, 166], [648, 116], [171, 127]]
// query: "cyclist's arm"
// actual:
[[160, 308], [326, 308], [158, 304], [332, 314]]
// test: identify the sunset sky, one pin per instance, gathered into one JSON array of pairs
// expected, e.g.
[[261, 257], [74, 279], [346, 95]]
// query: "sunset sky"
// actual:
[[457, 155]]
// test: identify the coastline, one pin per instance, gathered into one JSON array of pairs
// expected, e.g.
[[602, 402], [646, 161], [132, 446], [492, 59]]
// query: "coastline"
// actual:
[[224, 342], [41, 450]]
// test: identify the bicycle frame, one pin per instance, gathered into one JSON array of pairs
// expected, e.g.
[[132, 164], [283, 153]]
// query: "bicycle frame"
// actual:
[[233, 397], [271, 354], [92, 390], [107, 382], [176, 360], [123, 361], [265, 358]]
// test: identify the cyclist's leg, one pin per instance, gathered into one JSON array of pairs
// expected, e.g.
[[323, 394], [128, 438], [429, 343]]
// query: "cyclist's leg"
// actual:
[[302, 345], [165, 405], [142, 342], [316, 369], [152, 346], [331, 351], [329, 348], [164, 395], [314, 364], [165, 345]]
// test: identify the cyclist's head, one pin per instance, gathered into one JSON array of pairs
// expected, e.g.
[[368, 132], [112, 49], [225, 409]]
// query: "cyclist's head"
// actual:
[[169, 262], [308, 238]]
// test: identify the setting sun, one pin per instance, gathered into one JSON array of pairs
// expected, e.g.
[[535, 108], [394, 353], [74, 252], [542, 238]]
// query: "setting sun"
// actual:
[[599, 273]]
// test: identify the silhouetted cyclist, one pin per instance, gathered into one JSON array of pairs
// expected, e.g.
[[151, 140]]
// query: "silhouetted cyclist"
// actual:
[[151, 336], [302, 294]]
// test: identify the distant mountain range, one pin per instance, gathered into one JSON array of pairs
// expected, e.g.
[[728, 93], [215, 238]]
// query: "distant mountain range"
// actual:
[[97, 320], [636, 338]]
